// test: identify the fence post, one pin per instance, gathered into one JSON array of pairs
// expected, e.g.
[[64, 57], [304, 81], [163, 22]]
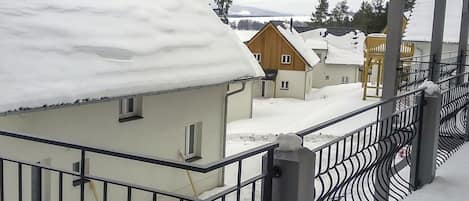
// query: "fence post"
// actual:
[[293, 175], [463, 35], [439, 14], [425, 144]]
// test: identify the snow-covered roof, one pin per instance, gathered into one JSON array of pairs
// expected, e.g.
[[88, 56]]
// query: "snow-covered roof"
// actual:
[[299, 44], [315, 39], [56, 52], [346, 49], [420, 23], [245, 35]]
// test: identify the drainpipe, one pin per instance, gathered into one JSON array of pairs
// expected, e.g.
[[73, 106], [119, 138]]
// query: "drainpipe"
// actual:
[[225, 121]]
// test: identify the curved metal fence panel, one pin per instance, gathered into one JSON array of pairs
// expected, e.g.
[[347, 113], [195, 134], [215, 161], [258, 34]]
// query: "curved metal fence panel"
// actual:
[[455, 93], [371, 162]]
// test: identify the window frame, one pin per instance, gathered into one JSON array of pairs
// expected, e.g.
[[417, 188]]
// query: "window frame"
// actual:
[[285, 59], [192, 140], [258, 57], [124, 108], [284, 85]]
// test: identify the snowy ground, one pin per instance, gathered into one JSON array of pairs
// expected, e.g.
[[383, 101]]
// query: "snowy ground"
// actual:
[[272, 117], [451, 182]]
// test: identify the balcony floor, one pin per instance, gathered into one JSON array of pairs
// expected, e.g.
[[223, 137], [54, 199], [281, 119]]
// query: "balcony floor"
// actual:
[[451, 182]]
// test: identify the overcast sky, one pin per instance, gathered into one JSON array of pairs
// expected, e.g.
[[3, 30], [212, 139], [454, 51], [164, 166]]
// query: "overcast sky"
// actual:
[[296, 7]]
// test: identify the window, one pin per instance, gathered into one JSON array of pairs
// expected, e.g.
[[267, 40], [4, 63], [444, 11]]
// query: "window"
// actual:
[[284, 85], [345, 79], [258, 56], [130, 109], [286, 59], [193, 141]]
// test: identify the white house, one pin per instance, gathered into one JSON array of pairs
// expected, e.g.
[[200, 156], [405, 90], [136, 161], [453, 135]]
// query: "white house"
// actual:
[[148, 77], [420, 25], [341, 56], [286, 61]]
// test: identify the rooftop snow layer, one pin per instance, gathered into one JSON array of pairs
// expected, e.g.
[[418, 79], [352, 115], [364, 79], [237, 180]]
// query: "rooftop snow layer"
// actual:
[[421, 22], [299, 44], [56, 52], [346, 49], [245, 35]]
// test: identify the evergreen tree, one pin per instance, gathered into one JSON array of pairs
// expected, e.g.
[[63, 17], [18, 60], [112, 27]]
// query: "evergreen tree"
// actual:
[[321, 13], [363, 18], [224, 6], [409, 5], [340, 15]]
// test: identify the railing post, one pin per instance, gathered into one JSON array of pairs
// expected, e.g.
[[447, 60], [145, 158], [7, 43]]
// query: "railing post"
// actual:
[[463, 35], [294, 175], [268, 171], [437, 39], [425, 144], [393, 52]]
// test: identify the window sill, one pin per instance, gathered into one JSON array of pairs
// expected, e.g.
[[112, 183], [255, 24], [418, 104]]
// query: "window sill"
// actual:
[[284, 89], [193, 159], [78, 182], [122, 120]]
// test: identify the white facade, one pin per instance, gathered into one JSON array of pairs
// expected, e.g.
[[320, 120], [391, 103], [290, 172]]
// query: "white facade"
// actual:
[[288, 84], [328, 74], [240, 104], [160, 133], [334, 74]]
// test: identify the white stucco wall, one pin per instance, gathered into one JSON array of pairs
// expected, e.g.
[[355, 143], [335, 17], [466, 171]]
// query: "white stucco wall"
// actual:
[[334, 72], [240, 104], [269, 91], [296, 80], [161, 133]]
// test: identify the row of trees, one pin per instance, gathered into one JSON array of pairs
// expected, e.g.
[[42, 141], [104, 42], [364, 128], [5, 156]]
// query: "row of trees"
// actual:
[[371, 17]]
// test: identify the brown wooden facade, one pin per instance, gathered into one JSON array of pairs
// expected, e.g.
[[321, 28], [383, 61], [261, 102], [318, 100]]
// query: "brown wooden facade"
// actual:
[[271, 44]]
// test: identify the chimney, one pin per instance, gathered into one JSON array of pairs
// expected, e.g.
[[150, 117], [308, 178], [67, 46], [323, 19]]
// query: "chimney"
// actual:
[[291, 24]]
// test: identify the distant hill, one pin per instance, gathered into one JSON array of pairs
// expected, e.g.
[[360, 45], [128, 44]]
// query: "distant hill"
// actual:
[[247, 11]]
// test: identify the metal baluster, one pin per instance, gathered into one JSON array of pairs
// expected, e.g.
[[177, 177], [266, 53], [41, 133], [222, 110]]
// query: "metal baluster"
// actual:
[[2, 187], [238, 185], [253, 193], [105, 191], [36, 183], [20, 182], [82, 176], [61, 178], [129, 194]]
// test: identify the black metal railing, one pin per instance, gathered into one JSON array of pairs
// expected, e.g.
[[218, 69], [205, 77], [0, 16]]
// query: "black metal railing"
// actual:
[[455, 94], [415, 70], [365, 164], [129, 189]]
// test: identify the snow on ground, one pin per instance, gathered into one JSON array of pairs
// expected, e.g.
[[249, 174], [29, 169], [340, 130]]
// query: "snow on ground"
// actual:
[[284, 115], [451, 182], [272, 117]]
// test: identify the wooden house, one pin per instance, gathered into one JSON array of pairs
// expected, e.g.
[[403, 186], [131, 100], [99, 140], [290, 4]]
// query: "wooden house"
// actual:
[[286, 61]]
